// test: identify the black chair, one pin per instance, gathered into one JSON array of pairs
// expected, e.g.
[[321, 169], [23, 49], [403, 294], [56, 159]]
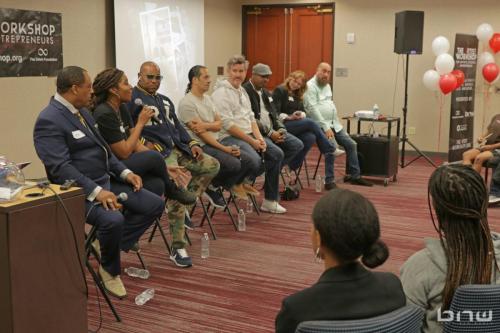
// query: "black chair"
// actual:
[[474, 308], [491, 164], [407, 319]]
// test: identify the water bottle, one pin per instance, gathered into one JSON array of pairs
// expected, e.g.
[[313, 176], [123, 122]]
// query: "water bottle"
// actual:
[[242, 226], [318, 184], [137, 272], [205, 246], [376, 111], [145, 296], [249, 206]]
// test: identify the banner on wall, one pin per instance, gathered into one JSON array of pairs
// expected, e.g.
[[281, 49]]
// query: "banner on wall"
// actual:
[[462, 99], [30, 43]]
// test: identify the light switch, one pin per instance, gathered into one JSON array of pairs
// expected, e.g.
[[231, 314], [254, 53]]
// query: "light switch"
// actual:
[[350, 38], [341, 72]]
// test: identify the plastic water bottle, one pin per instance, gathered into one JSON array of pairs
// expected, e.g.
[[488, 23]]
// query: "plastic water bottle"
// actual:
[[376, 111], [205, 246], [242, 226], [249, 206], [145, 296], [137, 272], [318, 184]]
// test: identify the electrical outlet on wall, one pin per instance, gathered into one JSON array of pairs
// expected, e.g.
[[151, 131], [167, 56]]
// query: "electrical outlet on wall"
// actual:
[[412, 130]]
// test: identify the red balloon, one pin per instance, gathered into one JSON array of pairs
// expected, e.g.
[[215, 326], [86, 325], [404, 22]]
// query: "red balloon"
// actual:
[[460, 77], [490, 72], [495, 42], [447, 83]]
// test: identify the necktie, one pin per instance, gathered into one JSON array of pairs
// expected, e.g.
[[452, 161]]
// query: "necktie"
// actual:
[[80, 117]]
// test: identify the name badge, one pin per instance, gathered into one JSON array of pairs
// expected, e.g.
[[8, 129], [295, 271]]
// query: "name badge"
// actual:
[[78, 134], [290, 98], [122, 129], [270, 99]]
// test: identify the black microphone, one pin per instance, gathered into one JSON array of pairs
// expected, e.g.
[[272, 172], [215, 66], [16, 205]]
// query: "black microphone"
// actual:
[[122, 197], [139, 102]]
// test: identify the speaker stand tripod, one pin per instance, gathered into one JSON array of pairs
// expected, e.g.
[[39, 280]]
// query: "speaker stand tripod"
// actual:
[[404, 139]]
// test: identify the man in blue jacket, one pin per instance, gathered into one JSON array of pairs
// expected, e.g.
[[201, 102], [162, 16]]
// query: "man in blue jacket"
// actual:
[[167, 135], [70, 147]]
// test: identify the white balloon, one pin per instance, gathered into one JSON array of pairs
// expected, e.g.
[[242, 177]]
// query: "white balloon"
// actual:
[[484, 32], [431, 80], [440, 45], [484, 59], [444, 63]]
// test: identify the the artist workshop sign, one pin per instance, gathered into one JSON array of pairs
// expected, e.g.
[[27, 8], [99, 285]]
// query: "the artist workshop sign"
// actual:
[[30, 43]]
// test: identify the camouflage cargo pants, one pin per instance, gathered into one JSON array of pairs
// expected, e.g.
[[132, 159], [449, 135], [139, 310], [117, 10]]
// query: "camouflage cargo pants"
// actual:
[[202, 172]]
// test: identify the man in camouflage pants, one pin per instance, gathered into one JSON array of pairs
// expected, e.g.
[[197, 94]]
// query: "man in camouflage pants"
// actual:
[[166, 134]]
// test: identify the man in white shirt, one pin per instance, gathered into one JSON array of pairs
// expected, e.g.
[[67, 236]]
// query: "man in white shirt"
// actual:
[[240, 128], [319, 105]]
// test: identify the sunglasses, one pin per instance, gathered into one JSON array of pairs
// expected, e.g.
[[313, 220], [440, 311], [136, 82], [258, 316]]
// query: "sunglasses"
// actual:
[[152, 77]]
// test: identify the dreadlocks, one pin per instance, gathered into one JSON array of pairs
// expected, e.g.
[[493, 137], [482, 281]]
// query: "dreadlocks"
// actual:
[[105, 80], [460, 201]]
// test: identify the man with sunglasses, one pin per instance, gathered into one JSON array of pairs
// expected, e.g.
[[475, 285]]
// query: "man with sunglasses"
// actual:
[[166, 134]]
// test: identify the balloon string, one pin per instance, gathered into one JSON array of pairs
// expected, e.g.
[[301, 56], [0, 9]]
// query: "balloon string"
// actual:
[[441, 104], [486, 105]]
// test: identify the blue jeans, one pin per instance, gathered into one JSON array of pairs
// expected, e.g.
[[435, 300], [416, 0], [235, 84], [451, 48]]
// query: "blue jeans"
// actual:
[[232, 171], [309, 132], [351, 150], [270, 161], [291, 147]]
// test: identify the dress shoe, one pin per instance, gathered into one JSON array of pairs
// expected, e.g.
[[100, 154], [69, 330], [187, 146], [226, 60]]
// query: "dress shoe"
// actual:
[[112, 284], [360, 181], [251, 190]]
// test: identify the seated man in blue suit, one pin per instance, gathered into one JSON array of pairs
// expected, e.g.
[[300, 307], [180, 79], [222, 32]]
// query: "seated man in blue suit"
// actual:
[[71, 148]]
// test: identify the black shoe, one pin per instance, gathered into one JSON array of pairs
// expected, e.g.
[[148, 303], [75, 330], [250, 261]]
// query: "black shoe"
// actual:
[[188, 224], [215, 198], [347, 178], [182, 195], [330, 186], [360, 181]]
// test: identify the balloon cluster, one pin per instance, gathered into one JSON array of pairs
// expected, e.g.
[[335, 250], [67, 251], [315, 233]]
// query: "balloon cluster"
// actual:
[[443, 78], [486, 59]]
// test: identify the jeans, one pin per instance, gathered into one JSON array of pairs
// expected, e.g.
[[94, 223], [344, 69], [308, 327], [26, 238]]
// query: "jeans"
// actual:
[[232, 171], [270, 161], [351, 150], [309, 132]]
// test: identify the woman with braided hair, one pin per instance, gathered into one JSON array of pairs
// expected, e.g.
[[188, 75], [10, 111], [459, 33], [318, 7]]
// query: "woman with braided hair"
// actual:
[[465, 253], [111, 91]]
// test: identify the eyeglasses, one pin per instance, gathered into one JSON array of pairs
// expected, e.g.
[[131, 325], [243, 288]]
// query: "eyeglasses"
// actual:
[[153, 77]]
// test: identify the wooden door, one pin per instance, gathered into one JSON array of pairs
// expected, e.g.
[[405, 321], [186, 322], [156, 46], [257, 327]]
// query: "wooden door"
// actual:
[[288, 37]]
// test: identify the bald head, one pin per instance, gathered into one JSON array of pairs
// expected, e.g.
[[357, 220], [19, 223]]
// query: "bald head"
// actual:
[[323, 73], [149, 77]]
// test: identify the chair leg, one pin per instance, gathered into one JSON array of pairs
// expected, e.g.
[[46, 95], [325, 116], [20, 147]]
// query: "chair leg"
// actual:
[[207, 217], [152, 234], [317, 166], [162, 233], [139, 256], [228, 209], [186, 235], [254, 203], [100, 285], [307, 172]]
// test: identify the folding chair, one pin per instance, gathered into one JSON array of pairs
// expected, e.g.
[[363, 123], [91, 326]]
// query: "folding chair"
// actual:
[[407, 319], [491, 164]]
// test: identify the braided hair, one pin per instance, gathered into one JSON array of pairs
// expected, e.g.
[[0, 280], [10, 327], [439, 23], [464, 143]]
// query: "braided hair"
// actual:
[[195, 71], [105, 80], [460, 200]]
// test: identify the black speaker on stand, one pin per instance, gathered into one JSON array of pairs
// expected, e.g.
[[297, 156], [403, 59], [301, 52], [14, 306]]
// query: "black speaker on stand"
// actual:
[[408, 37]]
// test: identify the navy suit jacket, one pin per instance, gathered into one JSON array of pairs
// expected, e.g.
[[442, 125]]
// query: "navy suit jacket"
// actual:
[[69, 150]]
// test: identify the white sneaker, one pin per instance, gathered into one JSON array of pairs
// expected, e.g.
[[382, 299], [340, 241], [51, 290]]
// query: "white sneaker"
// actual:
[[272, 207], [493, 199], [338, 152]]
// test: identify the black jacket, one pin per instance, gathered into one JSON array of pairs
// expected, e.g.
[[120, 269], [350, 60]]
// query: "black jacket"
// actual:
[[255, 101], [342, 293], [285, 103]]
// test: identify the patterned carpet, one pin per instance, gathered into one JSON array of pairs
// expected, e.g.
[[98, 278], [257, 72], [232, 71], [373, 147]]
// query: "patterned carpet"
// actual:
[[239, 288]]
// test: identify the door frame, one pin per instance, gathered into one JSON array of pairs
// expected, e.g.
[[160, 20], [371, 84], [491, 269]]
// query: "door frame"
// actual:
[[244, 8]]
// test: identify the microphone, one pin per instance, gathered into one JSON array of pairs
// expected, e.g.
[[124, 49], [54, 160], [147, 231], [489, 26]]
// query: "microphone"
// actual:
[[122, 197], [139, 102]]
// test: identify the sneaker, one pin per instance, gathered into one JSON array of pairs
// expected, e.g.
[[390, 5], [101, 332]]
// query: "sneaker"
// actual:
[[330, 186], [239, 191], [250, 190], [215, 198], [181, 258], [338, 152], [272, 207], [493, 199], [182, 195], [360, 181], [112, 284], [188, 224]]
